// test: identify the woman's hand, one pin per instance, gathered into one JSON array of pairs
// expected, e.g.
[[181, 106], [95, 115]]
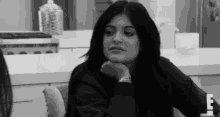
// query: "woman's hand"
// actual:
[[117, 70]]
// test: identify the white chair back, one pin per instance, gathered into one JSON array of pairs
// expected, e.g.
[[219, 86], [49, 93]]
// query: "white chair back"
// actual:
[[55, 102]]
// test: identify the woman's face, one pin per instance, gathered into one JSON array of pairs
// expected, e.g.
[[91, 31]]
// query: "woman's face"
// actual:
[[121, 43]]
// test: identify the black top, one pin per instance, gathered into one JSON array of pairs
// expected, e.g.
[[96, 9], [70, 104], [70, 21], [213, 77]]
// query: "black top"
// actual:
[[92, 97]]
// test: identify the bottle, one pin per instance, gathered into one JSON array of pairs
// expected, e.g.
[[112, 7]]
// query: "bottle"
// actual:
[[51, 18]]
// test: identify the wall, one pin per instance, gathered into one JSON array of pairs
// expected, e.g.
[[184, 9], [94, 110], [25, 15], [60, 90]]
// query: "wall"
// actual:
[[151, 6], [180, 12], [15, 15], [85, 11], [186, 15], [163, 10], [18, 16]]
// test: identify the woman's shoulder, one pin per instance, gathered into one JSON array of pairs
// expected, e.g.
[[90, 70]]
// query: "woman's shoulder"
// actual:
[[164, 59], [167, 65], [78, 70], [165, 62], [81, 73], [80, 67], [170, 68]]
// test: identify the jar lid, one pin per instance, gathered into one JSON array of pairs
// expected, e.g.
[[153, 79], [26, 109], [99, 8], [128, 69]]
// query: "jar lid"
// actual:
[[50, 5]]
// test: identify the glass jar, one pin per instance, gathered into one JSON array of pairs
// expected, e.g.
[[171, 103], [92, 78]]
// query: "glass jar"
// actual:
[[51, 18]]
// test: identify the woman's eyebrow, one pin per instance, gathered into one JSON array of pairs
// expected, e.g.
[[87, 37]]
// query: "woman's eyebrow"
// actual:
[[129, 27], [110, 26], [126, 27]]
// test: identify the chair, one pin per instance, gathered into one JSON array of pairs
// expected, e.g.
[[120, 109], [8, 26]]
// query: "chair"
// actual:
[[56, 99], [64, 92]]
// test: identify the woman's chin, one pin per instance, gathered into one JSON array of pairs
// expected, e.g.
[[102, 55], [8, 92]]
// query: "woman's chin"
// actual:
[[116, 60]]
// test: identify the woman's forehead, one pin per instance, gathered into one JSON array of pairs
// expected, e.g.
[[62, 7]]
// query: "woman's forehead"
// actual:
[[120, 20]]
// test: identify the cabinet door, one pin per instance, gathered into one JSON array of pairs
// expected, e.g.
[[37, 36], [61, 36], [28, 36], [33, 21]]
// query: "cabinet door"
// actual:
[[68, 13], [29, 110], [211, 23], [29, 101]]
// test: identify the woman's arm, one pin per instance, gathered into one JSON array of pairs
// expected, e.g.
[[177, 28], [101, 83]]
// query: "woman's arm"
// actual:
[[90, 103], [86, 100], [186, 95], [123, 103]]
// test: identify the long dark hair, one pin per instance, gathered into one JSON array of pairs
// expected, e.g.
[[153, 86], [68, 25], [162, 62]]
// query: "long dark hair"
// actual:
[[146, 31], [147, 62], [6, 95]]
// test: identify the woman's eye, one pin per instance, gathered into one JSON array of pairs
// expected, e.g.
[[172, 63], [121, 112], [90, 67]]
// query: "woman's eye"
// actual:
[[109, 32], [129, 33]]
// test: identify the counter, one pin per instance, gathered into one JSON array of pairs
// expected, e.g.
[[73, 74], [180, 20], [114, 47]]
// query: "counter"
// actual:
[[29, 69]]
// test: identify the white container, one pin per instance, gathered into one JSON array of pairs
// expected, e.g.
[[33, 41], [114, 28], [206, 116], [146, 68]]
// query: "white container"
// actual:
[[187, 40], [205, 115]]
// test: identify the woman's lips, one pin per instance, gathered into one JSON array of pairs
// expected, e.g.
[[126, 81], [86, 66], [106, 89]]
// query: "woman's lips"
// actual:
[[117, 48], [116, 51]]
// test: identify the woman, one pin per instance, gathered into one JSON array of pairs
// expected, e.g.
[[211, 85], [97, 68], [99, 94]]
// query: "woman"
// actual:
[[124, 74], [5, 89]]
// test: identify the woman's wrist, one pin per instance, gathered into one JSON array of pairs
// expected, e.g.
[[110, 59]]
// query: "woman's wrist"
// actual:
[[126, 78]]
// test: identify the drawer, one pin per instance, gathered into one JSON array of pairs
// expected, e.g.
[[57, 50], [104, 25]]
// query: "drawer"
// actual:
[[43, 78], [28, 92], [34, 109]]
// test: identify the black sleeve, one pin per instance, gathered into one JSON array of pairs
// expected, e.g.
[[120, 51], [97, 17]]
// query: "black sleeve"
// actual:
[[123, 103], [186, 95], [124, 89]]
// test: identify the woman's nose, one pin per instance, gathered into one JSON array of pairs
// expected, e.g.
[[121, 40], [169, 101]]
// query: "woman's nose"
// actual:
[[118, 38]]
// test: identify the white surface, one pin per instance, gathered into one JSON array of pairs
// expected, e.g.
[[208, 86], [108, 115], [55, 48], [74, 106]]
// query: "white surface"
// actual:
[[80, 38], [42, 63], [62, 62], [193, 57], [29, 41]]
